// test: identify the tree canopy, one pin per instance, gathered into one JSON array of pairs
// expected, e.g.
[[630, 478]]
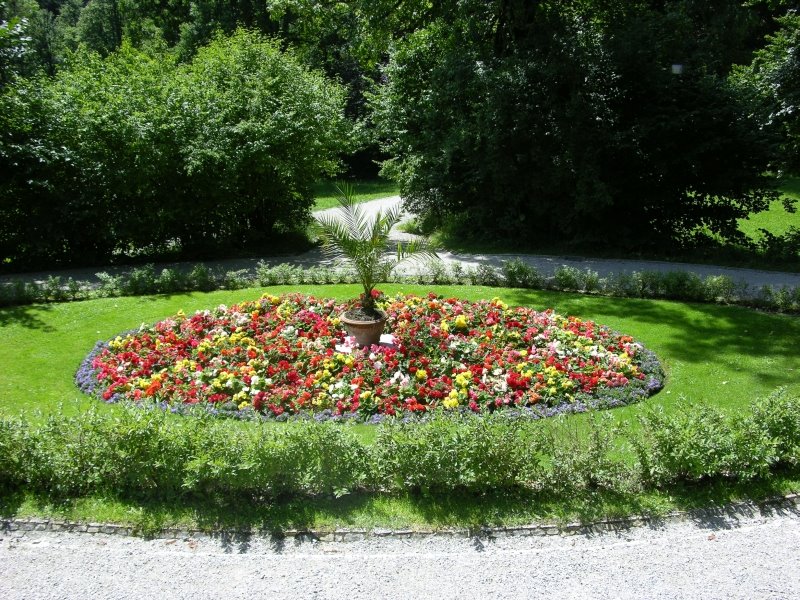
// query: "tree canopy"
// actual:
[[624, 122]]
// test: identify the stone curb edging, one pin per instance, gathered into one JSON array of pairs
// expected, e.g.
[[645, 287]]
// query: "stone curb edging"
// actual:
[[23, 526]]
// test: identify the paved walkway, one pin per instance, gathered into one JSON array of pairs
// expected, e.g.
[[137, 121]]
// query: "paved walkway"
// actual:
[[546, 265]]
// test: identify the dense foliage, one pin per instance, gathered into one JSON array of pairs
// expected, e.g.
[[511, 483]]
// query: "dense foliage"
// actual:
[[558, 120], [136, 152], [284, 355], [774, 79], [148, 455], [592, 121]]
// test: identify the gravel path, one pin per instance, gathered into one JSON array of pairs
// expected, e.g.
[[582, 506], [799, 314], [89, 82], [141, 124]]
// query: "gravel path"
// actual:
[[546, 265], [749, 554]]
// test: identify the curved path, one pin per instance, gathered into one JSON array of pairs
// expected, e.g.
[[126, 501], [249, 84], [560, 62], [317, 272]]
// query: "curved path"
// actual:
[[546, 265], [748, 554]]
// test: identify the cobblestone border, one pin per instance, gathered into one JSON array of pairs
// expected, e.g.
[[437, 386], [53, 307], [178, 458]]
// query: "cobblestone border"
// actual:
[[21, 527]]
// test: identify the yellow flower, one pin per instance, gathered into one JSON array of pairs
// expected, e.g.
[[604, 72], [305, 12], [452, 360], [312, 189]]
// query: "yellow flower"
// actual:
[[462, 379], [461, 322], [445, 327], [499, 303], [450, 402], [422, 374]]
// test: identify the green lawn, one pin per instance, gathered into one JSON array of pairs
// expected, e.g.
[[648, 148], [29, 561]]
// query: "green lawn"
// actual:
[[776, 220], [719, 354], [722, 356], [325, 192]]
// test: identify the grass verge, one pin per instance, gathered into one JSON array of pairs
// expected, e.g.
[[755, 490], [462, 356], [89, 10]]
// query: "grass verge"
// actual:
[[429, 512]]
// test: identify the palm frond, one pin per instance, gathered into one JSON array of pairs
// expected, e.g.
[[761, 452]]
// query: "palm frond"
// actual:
[[362, 241]]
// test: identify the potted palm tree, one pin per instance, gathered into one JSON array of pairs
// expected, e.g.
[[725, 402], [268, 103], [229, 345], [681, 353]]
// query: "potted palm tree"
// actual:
[[362, 240]]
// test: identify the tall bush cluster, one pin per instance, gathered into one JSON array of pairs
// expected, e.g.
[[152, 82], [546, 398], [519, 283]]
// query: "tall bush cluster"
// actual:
[[136, 152]]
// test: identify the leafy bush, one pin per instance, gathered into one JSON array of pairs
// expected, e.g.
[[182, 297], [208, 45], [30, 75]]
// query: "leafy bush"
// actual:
[[519, 274], [155, 455], [13, 444], [447, 453], [586, 459], [779, 417], [701, 443], [135, 152], [682, 285], [484, 275]]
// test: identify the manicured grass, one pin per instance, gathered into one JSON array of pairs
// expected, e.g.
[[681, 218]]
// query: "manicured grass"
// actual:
[[717, 355], [417, 512], [776, 220], [325, 192]]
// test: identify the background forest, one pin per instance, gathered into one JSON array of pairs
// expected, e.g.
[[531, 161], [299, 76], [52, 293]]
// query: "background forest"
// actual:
[[143, 128]]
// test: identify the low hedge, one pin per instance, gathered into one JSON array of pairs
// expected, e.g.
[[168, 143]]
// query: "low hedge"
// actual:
[[673, 285], [131, 453]]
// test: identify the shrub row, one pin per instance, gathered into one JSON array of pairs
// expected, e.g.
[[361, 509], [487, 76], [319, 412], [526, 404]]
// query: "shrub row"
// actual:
[[674, 285], [154, 455]]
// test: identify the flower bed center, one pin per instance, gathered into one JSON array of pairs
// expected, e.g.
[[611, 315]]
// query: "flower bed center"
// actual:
[[285, 355]]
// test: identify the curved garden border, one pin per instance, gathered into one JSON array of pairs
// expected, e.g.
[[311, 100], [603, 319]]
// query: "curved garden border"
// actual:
[[283, 357]]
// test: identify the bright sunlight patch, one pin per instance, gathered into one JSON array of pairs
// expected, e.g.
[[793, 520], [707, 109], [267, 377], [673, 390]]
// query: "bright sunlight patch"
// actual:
[[288, 355]]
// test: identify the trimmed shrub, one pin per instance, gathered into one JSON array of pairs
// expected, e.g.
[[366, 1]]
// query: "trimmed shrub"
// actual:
[[156, 455]]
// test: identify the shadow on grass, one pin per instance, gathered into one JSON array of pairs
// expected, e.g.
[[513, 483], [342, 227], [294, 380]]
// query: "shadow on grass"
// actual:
[[233, 521], [26, 316], [695, 333]]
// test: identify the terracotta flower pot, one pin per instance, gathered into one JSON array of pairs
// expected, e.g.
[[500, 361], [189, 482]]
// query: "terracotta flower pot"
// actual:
[[366, 333]]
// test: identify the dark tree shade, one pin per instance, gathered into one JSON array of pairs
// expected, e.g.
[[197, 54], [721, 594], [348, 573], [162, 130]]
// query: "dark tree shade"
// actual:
[[557, 122]]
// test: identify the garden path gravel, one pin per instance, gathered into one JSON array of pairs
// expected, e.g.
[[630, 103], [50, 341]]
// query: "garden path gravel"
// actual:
[[546, 265], [747, 554]]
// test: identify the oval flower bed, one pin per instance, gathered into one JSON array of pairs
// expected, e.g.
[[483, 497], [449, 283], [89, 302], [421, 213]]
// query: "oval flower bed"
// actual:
[[285, 355]]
